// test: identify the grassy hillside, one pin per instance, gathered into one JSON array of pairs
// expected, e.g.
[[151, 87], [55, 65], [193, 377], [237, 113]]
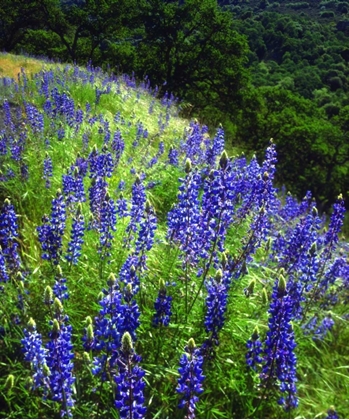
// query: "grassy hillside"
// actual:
[[145, 271]]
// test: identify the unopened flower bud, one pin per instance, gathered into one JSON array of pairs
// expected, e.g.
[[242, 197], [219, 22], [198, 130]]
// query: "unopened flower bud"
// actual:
[[191, 344], [223, 161], [282, 286], [57, 306], [48, 295], [188, 166], [126, 342], [219, 276], [265, 298]]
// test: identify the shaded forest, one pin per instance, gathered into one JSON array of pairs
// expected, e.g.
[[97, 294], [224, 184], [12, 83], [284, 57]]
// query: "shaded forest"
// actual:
[[261, 68]]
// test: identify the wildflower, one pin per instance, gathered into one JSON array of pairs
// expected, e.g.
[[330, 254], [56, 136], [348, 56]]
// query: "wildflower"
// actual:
[[8, 237], [129, 382], [52, 230], [162, 307], [279, 360], [216, 305], [36, 354], [254, 346], [77, 234], [47, 171], [59, 360], [332, 413], [191, 378]]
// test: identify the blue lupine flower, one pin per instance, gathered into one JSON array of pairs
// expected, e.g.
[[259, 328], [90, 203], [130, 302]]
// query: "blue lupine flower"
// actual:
[[118, 146], [47, 171], [138, 201], [332, 413], [36, 354], [8, 237], [173, 156], [107, 225], [254, 346], [279, 360], [52, 230], [4, 277], [60, 289], [216, 149], [59, 360], [216, 305], [97, 192], [129, 382], [191, 378], [107, 333], [162, 307], [121, 207], [184, 219], [145, 239], [77, 234]]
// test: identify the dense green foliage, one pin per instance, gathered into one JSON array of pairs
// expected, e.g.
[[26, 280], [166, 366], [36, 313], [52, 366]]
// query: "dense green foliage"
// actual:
[[263, 68]]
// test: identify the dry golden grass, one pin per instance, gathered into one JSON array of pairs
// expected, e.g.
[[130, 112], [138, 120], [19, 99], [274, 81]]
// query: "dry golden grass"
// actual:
[[10, 65]]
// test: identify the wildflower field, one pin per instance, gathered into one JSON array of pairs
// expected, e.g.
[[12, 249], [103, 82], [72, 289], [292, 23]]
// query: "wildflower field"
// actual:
[[147, 273]]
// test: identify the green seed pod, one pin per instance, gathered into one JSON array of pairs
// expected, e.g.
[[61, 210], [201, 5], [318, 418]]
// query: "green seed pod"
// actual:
[[132, 269], [191, 344], [314, 211], [29, 383], [219, 276], [59, 271], [48, 295], [282, 285], [88, 320], [223, 160], [188, 166], [255, 334], [31, 325], [162, 286], [57, 306], [10, 381], [55, 326], [128, 288], [59, 192], [111, 280], [76, 172], [100, 296], [126, 342], [265, 298], [89, 332]]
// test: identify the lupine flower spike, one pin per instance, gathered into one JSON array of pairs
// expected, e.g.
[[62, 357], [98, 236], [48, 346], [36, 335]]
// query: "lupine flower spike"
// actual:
[[191, 378], [129, 382]]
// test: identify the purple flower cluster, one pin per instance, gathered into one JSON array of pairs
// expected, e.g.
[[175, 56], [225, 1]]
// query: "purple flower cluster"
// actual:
[[129, 382], [279, 360], [191, 378], [52, 230], [162, 307], [8, 238]]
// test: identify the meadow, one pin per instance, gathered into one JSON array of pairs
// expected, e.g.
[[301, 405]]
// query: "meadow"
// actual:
[[148, 270]]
